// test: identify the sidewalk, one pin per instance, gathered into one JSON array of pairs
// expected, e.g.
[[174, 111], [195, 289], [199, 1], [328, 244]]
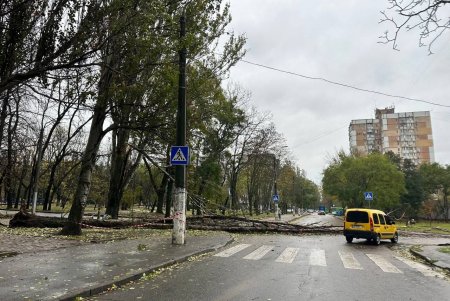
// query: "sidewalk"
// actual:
[[433, 256], [86, 269]]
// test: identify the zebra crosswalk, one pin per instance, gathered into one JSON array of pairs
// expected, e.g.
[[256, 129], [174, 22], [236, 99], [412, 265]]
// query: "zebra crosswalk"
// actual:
[[233, 250], [318, 257], [259, 253], [384, 265], [288, 255], [349, 261]]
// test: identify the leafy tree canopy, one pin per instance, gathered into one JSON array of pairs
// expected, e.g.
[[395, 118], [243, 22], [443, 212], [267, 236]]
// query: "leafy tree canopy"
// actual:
[[348, 177]]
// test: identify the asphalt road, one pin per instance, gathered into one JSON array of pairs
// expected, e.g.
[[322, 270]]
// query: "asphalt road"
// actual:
[[281, 267], [315, 219]]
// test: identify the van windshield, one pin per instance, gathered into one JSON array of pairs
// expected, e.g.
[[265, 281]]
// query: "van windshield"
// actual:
[[357, 217]]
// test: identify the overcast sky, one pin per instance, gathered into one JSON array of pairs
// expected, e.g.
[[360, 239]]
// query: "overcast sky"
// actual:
[[336, 40]]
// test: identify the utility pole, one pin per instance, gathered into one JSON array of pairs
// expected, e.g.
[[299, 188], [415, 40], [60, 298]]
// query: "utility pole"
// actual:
[[275, 192], [179, 219]]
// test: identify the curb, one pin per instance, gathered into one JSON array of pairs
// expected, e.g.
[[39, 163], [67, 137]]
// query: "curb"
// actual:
[[428, 260], [421, 256], [89, 292]]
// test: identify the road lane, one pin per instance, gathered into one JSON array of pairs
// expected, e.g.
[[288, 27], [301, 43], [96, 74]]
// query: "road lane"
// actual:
[[237, 278]]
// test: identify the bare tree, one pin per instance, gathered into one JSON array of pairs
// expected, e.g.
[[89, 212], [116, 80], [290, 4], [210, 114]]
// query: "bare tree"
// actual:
[[257, 136], [428, 17]]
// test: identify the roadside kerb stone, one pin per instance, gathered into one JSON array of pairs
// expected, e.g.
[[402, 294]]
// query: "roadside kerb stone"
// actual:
[[125, 280], [431, 255]]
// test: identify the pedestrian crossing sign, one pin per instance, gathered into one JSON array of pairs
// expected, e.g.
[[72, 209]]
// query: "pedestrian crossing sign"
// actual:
[[368, 196], [179, 155]]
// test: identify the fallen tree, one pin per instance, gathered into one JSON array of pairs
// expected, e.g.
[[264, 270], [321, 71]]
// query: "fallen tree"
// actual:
[[24, 219], [240, 224], [213, 222]]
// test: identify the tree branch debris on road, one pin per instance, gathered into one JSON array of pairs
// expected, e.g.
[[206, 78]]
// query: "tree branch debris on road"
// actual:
[[212, 222]]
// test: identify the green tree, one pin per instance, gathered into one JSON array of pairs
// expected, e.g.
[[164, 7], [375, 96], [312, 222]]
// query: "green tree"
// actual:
[[143, 98], [206, 24], [309, 193], [348, 177], [259, 176], [415, 193], [287, 179], [436, 179], [215, 117]]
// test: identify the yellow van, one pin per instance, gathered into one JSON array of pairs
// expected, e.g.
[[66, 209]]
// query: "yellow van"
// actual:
[[370, 224]]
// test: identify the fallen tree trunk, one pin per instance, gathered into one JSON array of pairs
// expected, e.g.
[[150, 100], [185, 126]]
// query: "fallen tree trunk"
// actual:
[[211, 223], [239, 224], [24, 219]]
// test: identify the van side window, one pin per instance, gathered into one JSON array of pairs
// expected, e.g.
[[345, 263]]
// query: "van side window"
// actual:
[[388, 219], [375, 219], [381, 217]]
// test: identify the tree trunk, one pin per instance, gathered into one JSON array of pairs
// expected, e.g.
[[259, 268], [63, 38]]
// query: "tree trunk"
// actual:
[[96, 133], [73, 226], [3, 115], [169, 198], [233, 191], [37, 168], [48, 192], [21, 181], [249, 197], [11, 158], [446, 206], [161, 193], [119, 159], [199, 202]]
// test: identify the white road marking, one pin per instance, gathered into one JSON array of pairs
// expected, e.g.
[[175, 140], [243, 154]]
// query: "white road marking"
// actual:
[[288, 255], [232, 250], [425, 270], [317, 257], [349, 261], [385, 265], [259, 253]]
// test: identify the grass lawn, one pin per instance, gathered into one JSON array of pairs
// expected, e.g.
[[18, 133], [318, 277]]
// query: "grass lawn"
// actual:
[[438, 227], [444, 250]]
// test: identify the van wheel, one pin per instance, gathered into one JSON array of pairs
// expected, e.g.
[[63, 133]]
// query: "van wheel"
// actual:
[[349, 239], [377, 239], [395, 238]]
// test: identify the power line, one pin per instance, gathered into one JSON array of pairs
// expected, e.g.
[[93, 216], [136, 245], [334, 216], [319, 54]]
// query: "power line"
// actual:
[[318, 137], [344, 85]]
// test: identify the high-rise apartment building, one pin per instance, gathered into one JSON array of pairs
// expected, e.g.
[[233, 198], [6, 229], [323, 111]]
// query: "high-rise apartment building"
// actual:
[[406, 134]]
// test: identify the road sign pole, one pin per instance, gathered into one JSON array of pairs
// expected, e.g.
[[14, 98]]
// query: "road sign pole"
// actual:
[[276, 210], [179, 219], [275, 192]]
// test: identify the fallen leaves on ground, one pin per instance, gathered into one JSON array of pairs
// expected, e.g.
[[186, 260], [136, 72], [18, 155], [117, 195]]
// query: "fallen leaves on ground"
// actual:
[[99, 235]]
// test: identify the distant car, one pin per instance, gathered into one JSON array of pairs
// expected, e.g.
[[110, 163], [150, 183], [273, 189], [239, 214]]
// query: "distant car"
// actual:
[[321, 213], [310, 211]]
